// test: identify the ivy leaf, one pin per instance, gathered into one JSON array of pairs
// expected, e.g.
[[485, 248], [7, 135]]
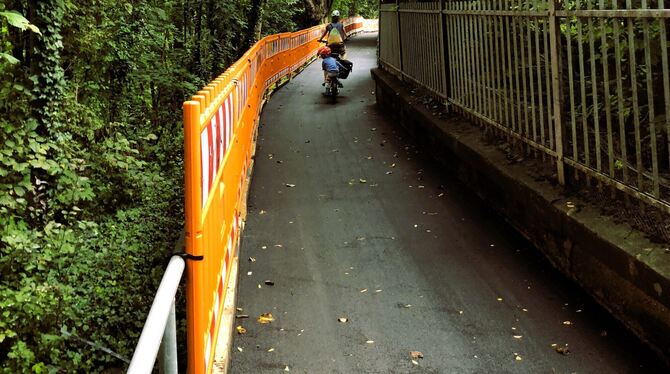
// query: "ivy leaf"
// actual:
[[11, 59], [17, 20]]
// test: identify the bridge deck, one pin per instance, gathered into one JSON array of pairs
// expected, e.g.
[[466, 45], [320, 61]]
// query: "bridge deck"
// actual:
[[409, 257]]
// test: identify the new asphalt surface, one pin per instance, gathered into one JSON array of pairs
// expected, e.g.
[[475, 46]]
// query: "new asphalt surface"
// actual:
[[363, 250]]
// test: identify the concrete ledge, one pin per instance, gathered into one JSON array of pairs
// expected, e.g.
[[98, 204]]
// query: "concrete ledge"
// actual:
[[622, 270]]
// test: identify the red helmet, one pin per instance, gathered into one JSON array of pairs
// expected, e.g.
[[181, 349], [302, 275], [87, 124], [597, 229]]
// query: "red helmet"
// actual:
[[323, 51]]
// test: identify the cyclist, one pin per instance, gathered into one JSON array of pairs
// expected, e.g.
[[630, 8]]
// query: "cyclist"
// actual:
[[336, 35], [331, 67]]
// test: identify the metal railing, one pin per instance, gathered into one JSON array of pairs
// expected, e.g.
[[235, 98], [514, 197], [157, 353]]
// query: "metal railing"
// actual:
[[159, 335], [582, 83]]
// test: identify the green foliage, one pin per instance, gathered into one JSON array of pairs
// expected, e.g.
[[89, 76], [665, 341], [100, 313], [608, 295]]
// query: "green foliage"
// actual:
[[365, 8], [91, 180], [278, 16]]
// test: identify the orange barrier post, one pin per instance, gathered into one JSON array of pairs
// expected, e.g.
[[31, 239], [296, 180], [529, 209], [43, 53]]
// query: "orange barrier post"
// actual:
[[219, 125]]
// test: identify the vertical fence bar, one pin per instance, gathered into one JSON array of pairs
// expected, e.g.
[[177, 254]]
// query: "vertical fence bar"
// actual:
[[554, 32], [606, 81], [666, 73], [633, 84], [650, 104], [400, 62], [443, 52], [547, 80], [619, 88], [531, 76], [168, 349], [540, 91], [195, 308], [594, 87], [507, 65]]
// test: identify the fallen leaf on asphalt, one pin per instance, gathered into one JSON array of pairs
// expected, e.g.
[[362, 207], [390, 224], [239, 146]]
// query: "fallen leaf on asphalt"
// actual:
[[269, 282], [262, 212], [440, 195], [370, 341], [259, 286], [360, 238], [364, 290], [240, 349], [567, 323], [249, 273], [416, 355], [240, 316], [239, 309], [278, 245], [241, 330], [415, 362], [363, 180], [265, 318], [264, 247], [524, 309], [500, 299], [378, 291], [286, 368], [290, 185], [252, 259], [389, 172], [369, 157], [392, 165], [343, 319], [517, 357], [562, 350], [271, 350], [517, 336]]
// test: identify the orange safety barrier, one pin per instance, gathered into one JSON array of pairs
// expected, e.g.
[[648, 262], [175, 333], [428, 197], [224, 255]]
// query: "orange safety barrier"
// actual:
[[220, 123]]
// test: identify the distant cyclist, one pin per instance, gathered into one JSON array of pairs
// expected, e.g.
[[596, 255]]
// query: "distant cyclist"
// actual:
[[336, 35]]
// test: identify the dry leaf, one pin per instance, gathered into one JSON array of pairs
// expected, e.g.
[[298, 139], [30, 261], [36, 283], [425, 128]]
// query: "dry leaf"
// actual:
[[517, 336], [241, 330], [290, 185], [415, 355], [265, 318], [500, 299], [343, 319], [370, 341], [415, 362], [286, 368], [362, 180], [567, 323], [271, 350], [239, 309], [240, 349], [252, 259], [517, 357], [562, 350], [241, 316], [389, 172], [249, 273], [269, 282], [262, 212], [364, 290]]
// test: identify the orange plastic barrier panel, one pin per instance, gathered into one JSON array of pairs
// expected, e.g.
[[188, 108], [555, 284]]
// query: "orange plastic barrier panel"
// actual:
[[219, 125]]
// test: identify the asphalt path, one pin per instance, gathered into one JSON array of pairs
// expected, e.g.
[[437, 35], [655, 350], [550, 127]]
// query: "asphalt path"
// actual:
[[349, 220]]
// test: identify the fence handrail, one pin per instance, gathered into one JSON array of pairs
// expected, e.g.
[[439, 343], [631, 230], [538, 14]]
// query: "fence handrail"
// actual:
[[156, 327]]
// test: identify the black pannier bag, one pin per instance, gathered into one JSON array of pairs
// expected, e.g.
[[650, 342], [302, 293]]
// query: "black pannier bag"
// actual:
[[348, 66]]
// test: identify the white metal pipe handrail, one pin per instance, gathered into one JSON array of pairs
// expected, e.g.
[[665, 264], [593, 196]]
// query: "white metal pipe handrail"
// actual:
[[159, 330]]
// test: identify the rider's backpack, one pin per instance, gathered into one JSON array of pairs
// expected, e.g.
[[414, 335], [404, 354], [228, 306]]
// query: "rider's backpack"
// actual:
[[348, 66]]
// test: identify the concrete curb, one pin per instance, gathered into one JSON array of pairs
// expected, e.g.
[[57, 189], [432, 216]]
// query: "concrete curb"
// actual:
[[622, 270]]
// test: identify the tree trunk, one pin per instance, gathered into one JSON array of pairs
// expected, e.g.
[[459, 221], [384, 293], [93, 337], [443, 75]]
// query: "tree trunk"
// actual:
[[255, 23]]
